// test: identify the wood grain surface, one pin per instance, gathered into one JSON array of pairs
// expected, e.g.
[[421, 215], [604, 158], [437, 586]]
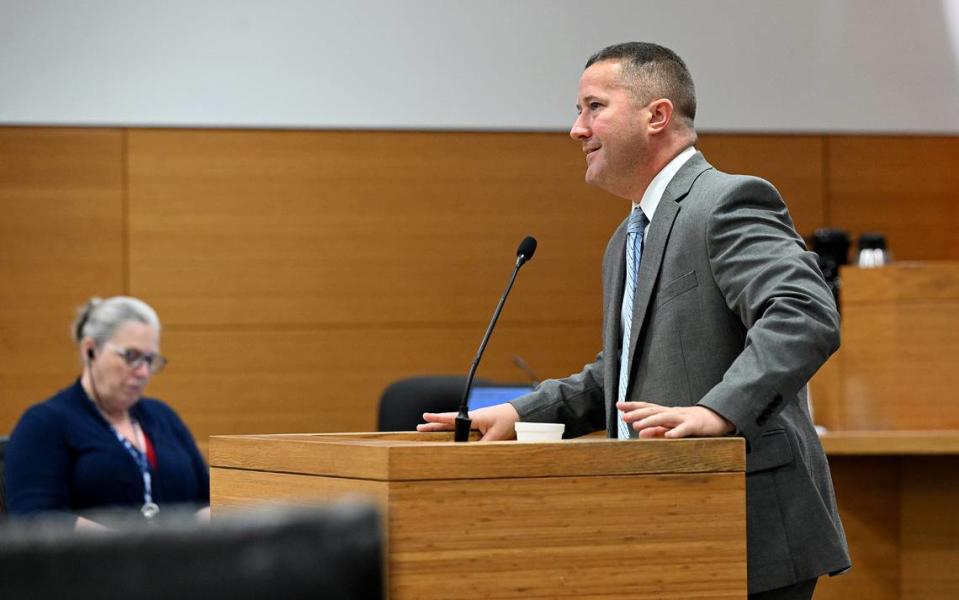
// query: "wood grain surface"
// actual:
[[570, 537], [867, 491], [891, 443], [359, 228], [930, 528], [900, 331], [902, 186], [899, 512], [235, 489], [518, 520], [395, 459], [61, 242]]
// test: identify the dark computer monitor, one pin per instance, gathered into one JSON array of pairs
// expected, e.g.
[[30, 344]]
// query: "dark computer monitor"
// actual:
[[493, 394]]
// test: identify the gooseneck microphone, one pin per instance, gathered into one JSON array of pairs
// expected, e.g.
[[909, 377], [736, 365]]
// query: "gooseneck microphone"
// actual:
[[463, 422]]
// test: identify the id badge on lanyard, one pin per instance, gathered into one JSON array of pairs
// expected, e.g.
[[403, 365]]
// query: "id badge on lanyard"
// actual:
[[149, 509]]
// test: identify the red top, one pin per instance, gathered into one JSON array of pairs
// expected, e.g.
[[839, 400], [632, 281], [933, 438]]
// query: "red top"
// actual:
[[151, 455]]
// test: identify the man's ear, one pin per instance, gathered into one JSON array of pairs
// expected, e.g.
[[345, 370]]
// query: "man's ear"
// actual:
[[660, 115]]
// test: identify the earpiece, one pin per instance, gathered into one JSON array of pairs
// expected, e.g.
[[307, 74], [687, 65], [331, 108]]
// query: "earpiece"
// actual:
[[93, 384]]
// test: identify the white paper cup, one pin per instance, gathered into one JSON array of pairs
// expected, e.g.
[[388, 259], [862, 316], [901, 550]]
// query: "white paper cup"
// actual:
[[539, 432]]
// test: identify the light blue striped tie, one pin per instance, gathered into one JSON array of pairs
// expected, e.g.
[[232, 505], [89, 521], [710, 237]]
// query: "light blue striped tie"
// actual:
[[634, 252]]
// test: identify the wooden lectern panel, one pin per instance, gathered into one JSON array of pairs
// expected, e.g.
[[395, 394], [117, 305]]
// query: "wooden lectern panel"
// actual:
[[577, 537], [929, 532], [900, 335], [583, 518], [897, 501]]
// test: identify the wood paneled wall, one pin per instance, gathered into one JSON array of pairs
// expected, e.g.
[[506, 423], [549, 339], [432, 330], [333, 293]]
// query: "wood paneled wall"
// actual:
[[61, 241], [299, 273]]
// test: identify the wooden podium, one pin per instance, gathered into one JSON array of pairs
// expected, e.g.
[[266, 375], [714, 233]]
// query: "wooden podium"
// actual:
[[896, 369], [586, 518], [888, 398]]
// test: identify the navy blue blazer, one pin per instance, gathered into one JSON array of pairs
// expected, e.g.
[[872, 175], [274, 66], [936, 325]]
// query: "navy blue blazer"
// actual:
[[64, 457]]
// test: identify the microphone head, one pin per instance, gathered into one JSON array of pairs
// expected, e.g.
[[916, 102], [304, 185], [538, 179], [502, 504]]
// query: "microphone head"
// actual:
[[527, 248]]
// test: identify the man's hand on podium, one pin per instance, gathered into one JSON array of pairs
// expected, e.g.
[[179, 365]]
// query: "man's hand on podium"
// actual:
[[654, 420], [494, 422]]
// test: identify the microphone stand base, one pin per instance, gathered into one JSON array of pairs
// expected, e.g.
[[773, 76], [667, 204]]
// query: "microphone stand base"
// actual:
[[463, 426]]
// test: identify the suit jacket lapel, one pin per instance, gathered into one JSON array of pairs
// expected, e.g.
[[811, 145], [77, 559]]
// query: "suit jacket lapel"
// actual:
[[655, 246], [615, 282]]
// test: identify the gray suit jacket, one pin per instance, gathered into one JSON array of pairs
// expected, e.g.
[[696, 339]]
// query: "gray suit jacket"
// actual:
[[731, 312]]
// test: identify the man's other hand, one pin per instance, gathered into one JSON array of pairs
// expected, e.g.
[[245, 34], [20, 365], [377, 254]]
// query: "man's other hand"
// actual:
[[654, 420]]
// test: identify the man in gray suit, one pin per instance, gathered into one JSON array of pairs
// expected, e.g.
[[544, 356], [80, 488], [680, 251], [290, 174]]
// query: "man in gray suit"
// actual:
[[715, 317]]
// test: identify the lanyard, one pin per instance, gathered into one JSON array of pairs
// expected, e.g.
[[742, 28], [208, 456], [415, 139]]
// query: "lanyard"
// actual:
[[149, 509]]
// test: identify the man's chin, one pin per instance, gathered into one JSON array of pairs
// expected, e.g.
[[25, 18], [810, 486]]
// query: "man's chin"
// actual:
[[592, 176]]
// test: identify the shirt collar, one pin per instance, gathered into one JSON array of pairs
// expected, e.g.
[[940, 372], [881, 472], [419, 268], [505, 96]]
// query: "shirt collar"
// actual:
[[654, 192]]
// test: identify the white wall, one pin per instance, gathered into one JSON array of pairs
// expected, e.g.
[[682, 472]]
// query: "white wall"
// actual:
[[760, 65]]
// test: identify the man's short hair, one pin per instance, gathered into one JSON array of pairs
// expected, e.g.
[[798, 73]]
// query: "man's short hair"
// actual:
[[653, 71]]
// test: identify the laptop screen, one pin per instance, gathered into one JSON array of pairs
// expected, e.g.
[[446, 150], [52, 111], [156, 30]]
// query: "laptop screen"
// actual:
[[490, 395]]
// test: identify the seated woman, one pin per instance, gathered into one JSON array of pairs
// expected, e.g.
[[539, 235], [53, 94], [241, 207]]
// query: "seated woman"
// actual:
[[99, 444]]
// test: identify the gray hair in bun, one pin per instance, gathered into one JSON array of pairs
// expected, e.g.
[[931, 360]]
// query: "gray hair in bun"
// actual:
[[100, 318]]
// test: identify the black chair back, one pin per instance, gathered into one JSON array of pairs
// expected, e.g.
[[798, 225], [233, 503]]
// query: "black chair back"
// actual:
[[404, 401]]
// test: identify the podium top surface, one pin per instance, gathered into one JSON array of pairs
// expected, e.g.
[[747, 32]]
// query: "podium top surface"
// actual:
[[413, 456]]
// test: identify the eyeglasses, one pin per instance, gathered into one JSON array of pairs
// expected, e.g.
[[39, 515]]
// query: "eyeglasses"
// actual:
[[134, 359]]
